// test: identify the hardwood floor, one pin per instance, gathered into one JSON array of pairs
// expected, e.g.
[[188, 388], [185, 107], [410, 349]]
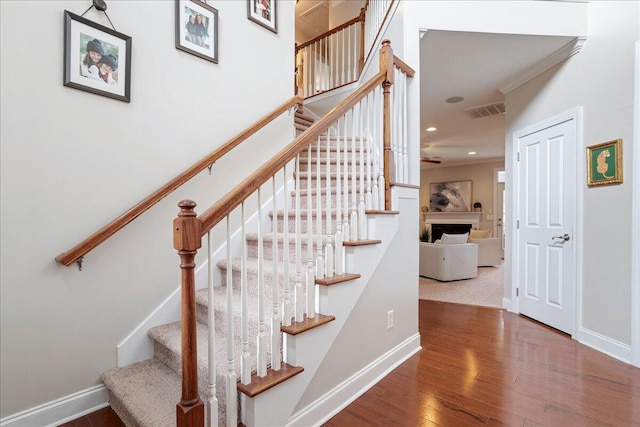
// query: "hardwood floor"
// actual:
[[487, 367]]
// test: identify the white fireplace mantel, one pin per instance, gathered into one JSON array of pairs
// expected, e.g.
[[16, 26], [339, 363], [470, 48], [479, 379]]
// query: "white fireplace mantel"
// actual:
[[472, 218]]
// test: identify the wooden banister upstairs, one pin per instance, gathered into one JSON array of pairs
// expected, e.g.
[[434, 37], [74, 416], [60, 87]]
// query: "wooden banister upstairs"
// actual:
[[189, 229], [76, 253]]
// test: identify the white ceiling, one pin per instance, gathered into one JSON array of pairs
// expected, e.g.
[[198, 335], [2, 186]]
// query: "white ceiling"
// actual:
[[474, 66]]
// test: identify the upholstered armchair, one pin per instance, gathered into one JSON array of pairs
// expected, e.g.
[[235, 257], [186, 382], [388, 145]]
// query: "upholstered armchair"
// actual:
[[446, 262], [489, 249]]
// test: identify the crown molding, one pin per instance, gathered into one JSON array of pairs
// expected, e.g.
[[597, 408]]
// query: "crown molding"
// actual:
[[562, 54]]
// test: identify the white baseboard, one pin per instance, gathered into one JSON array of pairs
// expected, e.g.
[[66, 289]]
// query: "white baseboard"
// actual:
[[60, 410], [507, 304], [606, 345], [349, 390]]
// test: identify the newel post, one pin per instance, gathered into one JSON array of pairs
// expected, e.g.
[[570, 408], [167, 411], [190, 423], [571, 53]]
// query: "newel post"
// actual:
[[386, 65], [187, 240]]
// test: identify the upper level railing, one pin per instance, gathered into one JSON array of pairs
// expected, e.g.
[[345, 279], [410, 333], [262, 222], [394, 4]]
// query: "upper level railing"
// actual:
[[77, 253], [337, 57], [343, 165]]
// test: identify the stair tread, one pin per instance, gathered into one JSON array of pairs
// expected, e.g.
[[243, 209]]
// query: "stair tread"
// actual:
[[273, 378], [148, 391], [362, 242], [307, 323], [338, 278]]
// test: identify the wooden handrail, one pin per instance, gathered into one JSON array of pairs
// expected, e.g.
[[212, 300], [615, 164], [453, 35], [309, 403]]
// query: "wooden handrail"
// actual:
[[330, 32], [77, 252], [402, 66], [225, 205]]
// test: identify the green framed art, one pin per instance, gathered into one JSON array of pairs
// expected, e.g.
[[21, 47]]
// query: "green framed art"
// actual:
[[604, 163]]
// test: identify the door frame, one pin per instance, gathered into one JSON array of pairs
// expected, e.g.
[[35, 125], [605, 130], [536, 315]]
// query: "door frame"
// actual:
[[495, 200], [574, 115], [635, 227]]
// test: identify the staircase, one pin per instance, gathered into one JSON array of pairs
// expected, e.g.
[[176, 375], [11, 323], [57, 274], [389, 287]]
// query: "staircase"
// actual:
[[146, 393]]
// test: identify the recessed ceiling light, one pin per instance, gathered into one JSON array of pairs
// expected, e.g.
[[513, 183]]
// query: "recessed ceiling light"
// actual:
[[454, 99], [471, 153], [431, 129]]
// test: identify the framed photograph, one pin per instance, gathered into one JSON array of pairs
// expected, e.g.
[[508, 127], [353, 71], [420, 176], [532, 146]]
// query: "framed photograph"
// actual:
[[263, 12], [452, 196], [97, 59], [604, 163], [197, 29]]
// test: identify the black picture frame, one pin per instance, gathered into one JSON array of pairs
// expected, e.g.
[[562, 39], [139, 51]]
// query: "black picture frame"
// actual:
[[81, 71], [197, 29], [264, 13]]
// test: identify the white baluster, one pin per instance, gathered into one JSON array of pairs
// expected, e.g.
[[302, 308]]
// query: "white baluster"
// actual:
[[329, 254], [339, 237], [276, 335], [245, 360], [212, 399], [311, 275], [368, 198], [362, 224], [405, 152], [287, 309], [262, 335], [346, 232], [375, 193], [353, 220], [299, 290], [320, 268], [380, 145], [231, 378]]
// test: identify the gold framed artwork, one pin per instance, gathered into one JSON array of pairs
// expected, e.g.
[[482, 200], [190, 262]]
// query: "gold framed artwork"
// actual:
[[604, 163]]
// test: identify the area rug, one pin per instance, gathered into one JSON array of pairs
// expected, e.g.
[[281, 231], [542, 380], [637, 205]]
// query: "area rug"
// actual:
[[486, 290]]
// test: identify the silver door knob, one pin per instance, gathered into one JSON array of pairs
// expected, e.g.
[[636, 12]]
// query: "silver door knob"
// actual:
[[565, 237]]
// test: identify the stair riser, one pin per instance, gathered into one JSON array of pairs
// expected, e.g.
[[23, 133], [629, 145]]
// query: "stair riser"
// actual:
[[252, 250], [333, 155], [252, 278], [331, 167], [304, 201]]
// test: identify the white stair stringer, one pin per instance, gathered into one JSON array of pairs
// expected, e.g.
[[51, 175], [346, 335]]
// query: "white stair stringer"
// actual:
[[276, 405]]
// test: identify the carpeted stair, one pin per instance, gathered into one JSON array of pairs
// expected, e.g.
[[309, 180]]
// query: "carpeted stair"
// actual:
[[145, 394]]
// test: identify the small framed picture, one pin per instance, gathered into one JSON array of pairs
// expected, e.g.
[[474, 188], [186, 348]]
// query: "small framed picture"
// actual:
[[604, 163], [197, 29], [97, 59], [263, 12]]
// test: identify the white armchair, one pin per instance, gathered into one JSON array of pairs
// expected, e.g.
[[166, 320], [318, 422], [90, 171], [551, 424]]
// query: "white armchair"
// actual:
[[448, 262], [489, 251]]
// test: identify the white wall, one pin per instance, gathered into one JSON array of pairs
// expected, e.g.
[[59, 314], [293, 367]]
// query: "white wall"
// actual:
[[601, 80], [72, 161]]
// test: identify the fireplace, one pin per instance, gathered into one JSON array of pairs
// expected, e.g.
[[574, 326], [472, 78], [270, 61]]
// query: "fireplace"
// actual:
[[438, 229]]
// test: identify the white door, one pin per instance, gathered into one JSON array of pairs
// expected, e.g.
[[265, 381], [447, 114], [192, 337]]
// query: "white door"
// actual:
[[501, 213], [545, 225]]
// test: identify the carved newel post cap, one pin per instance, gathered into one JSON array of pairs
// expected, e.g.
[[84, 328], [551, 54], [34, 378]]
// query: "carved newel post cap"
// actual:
[[186, 228], [386, 42]]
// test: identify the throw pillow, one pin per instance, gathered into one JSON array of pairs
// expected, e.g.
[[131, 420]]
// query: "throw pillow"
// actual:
[[454, 239], [480, 234]]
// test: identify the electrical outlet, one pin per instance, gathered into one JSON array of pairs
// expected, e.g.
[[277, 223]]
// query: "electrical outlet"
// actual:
[[389, 319]]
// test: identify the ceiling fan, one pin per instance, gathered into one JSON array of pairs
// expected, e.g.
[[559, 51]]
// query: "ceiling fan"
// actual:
[[430, 160]]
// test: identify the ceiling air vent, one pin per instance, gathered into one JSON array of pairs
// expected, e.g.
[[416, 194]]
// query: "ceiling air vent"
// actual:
[[486, 110]]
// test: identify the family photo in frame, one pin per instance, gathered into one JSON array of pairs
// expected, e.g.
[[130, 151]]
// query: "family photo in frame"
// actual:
[[263, 12], [97, 59], [197, 29]]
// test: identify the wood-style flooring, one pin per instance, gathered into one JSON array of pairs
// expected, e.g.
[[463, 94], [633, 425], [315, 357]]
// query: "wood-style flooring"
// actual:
[[487, 367]]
